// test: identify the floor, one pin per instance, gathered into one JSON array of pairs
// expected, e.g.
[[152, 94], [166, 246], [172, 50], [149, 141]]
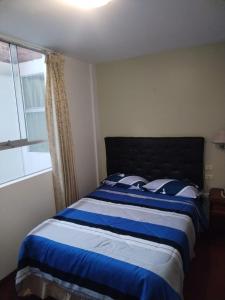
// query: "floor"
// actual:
[[205, 281]]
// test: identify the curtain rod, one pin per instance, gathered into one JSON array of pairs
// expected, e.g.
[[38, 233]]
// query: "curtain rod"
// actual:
[[23, 44]]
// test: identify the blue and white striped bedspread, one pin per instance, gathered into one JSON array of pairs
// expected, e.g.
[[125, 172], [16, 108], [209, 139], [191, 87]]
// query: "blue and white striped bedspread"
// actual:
[[115, 244]]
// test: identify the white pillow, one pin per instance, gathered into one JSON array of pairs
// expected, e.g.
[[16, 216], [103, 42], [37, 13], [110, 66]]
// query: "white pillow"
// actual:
[[172, 187]]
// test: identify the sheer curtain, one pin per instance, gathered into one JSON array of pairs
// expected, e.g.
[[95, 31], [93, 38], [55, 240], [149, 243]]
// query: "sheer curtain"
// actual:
[[59, 133]]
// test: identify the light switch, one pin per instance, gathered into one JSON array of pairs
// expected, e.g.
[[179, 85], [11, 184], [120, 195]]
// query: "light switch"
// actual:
[[208, 167], [209, 176]]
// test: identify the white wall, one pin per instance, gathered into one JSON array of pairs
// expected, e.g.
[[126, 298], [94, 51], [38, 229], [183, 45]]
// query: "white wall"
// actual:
[[26, 203], [78, 78], [23, 205]]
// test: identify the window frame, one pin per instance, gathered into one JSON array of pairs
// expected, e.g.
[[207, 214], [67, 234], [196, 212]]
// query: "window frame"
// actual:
[[22, 162], [15, 69]]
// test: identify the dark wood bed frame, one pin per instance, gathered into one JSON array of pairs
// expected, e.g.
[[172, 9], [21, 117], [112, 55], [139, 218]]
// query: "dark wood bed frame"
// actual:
[[154, 158]]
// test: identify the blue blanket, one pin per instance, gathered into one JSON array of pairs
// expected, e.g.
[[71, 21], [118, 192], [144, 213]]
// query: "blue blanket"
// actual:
[[115, 244]]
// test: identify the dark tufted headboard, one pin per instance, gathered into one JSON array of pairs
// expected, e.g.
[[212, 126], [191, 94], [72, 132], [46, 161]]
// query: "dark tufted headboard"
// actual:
[[154, 158]]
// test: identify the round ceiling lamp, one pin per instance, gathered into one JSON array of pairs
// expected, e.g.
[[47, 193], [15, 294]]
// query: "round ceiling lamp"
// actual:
[[89, 4]]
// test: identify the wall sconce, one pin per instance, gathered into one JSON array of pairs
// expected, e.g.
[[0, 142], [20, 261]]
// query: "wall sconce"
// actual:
[[219, 139]]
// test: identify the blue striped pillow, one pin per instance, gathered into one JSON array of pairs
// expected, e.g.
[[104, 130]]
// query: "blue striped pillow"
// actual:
[[172, 187], [125, 181]]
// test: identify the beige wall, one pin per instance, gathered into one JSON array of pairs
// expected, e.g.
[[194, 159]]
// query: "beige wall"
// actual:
[[177, 93]]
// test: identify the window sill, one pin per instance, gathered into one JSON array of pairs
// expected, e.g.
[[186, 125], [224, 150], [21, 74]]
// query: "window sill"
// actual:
[[11, 182]]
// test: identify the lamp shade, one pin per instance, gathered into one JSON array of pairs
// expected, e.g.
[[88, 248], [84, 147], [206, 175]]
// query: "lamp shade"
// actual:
[[219, 137]]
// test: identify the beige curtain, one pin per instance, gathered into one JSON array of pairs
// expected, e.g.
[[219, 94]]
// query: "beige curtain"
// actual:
[[59, 133]]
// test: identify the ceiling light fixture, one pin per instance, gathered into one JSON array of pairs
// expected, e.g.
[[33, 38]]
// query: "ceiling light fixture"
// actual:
[[89, 4]]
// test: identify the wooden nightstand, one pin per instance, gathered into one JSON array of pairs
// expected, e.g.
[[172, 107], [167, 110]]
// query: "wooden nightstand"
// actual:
[[217, 209]]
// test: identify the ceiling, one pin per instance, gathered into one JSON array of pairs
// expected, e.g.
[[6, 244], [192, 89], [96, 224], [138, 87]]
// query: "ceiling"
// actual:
[[122, 29]]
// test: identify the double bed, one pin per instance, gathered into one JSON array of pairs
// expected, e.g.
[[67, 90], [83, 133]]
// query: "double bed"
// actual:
[[119, 243]]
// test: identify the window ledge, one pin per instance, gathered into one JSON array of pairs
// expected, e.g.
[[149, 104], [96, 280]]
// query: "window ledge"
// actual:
[[6, 184]]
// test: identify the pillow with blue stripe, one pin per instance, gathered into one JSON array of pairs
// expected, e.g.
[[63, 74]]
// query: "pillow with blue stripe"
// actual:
[[172, 187], [125, 181]]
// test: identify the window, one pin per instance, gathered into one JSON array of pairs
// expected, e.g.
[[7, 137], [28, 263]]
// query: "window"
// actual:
[[23, 133], [34, 107]]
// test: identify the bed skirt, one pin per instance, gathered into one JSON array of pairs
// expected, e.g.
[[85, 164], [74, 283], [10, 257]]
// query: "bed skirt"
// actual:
[[42, 288]]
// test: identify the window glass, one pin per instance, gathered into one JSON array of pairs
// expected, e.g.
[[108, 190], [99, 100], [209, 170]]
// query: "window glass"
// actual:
[[34, 91], [22, 113], [36, 130], [9, 127], [32, 72]]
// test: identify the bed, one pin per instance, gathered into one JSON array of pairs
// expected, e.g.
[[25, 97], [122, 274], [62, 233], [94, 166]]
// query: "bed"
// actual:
[[119, 243]]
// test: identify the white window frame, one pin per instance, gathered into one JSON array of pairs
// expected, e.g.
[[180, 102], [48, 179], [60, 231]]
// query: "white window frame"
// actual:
[[18, 89]]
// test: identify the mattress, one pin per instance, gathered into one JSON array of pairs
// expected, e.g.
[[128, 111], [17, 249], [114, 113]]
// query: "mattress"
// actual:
[[114, 244]]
